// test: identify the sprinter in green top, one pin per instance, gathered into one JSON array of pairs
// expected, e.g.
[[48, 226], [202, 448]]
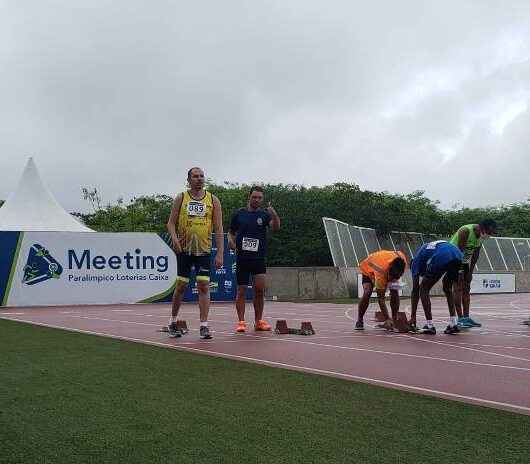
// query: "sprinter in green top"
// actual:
[[469, 239]]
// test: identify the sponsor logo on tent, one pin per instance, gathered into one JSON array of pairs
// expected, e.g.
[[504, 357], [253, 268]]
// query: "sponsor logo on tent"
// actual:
[[40, 266]]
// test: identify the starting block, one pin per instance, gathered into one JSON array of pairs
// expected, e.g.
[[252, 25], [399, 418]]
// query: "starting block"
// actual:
[[379, 316], [306, 328], [281, 327], [402, 323]]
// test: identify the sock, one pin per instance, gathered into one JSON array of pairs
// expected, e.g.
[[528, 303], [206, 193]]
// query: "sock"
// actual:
[[204, 323], [453, 320], [429, 323], [172, 319]]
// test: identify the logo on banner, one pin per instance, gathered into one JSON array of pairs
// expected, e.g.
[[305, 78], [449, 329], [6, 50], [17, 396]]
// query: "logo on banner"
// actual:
[[40, 266], [491, 283]]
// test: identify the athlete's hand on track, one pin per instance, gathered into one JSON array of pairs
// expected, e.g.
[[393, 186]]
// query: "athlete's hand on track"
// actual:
[[218, 261], [231, 244]]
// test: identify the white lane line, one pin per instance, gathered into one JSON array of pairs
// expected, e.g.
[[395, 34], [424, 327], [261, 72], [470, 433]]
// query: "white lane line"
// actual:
[[350, 348], [450, 345], [412, 388], [496, 346]]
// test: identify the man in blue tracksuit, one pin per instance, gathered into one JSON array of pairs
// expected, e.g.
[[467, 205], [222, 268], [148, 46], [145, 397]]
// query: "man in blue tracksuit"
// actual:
[[248, 237]]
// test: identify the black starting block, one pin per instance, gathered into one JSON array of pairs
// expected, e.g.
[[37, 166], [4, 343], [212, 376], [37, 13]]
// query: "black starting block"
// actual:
[[306, 328]]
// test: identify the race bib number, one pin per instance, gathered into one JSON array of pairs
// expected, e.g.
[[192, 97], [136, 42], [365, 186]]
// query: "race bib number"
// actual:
[[432, 245], [250, 244], [196, 208]]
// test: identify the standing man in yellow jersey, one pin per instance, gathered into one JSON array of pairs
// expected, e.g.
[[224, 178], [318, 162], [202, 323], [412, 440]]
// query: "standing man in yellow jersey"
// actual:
[[193, 216], [469, 239]]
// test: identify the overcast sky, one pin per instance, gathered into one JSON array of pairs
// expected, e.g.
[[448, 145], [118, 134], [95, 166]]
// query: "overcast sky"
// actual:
[[398, 96]]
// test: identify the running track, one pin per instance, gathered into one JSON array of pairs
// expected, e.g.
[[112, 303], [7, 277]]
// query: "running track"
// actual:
[[488, 366]]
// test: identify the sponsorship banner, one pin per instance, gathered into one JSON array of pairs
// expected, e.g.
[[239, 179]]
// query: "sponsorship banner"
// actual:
[[61, 268], [493, 283], [53, 268]]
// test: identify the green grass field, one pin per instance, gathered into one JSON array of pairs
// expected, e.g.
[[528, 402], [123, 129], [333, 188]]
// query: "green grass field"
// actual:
[[66, 397]]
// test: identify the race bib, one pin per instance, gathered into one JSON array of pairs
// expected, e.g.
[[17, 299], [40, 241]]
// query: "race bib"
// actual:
[[432, 245], [250, 244], [196, 208]]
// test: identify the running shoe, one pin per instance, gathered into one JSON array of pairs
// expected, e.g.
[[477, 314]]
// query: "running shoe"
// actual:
[[204, 333], [359, 325], [451, 330], [463, 323], [413, 328], [428, 330], [473, 322], [241, 327], [262, 326], [173, 330]]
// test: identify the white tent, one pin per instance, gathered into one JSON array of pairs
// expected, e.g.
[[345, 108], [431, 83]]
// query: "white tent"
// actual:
[[32, 207]]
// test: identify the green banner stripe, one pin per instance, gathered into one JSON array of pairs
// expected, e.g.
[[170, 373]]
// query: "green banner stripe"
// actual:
[[160, 295], [13, 269]]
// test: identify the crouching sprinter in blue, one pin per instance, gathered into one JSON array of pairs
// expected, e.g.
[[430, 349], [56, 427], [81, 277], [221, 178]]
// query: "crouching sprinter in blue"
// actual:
[[431, 262]]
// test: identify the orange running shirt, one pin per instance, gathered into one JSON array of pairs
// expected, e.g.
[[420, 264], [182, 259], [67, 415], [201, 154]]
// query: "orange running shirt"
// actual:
[[376, 266]]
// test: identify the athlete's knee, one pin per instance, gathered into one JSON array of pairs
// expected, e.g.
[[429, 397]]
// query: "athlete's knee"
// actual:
[[259, 292], [180, 287], [203, 287]]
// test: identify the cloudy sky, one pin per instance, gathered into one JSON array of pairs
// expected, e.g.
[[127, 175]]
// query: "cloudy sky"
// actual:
[[396, 96]]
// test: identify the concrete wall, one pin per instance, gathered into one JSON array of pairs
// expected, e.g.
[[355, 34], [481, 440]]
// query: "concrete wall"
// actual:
[[316, 283], [305, 283]]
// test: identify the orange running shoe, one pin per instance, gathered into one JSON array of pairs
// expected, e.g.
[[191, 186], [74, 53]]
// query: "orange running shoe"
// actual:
[[262, 325], [241, 327]]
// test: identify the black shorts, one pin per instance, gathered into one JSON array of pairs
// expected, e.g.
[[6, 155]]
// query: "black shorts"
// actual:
[[247, 267], [201, 264], [454, 268]]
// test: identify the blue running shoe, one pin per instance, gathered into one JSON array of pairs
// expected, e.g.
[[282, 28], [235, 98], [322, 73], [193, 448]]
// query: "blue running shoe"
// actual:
[[473, 323], [463, 323]]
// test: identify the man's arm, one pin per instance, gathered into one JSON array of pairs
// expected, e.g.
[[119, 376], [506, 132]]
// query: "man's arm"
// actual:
[[275, 219], [232, 232], [219, 235], [463, 236], [172, 222], [382, 305], [474, 259]]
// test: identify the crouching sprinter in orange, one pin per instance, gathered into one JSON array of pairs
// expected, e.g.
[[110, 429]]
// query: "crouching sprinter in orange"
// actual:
[[381, 270]]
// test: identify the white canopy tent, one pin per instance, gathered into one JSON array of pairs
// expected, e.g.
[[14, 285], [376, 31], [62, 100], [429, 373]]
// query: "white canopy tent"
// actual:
[[32, 207]]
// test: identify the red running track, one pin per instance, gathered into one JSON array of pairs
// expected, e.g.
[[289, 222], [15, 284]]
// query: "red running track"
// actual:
[[489, 366]]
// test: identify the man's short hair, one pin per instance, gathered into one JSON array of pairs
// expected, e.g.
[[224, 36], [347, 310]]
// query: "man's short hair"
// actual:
[[489, 224], [397, 268], [189, 172], [255, 188]]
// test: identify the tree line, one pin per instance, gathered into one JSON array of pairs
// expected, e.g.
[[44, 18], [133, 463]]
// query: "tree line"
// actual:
[[302, 239]]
